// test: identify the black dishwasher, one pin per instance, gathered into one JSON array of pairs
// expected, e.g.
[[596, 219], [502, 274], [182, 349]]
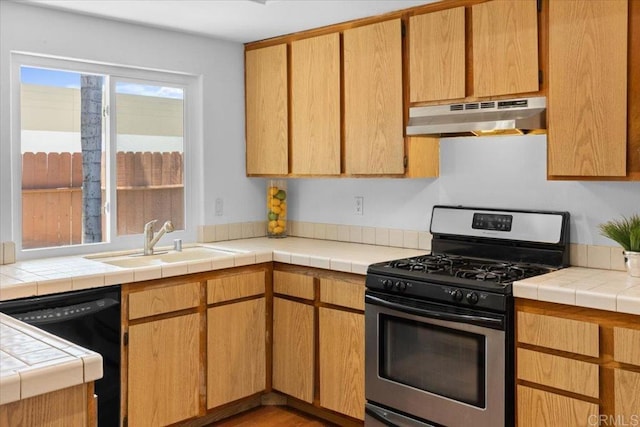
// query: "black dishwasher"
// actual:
[[89, 318]]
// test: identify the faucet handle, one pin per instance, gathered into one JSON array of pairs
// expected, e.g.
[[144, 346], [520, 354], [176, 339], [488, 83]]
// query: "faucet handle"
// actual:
[[149, 225]]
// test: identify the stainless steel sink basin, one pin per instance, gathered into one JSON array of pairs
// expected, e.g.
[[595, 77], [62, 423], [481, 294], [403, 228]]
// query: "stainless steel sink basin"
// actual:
[[198, 253]]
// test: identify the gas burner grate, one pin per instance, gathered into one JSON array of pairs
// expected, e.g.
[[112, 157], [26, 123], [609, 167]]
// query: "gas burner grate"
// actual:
[[467, 268], [428, 263]]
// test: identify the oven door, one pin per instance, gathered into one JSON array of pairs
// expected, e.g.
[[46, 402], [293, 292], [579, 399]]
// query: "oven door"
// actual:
[[438, 363]]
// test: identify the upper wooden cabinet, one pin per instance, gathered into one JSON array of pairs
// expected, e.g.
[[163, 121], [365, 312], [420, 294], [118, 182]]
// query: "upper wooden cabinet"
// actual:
[[437, 55], [315, 105], [373, 107], [500, 58], [587, 100], [266, 104], [505, 47]]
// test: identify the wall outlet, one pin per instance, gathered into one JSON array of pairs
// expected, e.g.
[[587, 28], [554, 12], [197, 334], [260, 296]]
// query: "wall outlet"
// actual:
[[219, 208], [359, 206]]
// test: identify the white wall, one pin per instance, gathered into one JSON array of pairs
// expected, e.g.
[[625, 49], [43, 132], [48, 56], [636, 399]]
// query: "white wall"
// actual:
[[501, 172], [39, 30], [505, 172]]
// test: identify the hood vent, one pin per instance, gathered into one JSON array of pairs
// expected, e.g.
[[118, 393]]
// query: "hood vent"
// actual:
[[508, 116]]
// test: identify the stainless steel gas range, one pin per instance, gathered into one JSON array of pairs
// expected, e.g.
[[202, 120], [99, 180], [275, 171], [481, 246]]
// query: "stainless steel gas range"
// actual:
[[439, 331]]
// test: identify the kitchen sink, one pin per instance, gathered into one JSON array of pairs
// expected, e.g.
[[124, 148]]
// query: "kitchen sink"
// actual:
[[198, 253]]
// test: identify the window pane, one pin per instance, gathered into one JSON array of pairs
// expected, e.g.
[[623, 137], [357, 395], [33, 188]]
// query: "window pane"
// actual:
[[61, 128], [150, 151]]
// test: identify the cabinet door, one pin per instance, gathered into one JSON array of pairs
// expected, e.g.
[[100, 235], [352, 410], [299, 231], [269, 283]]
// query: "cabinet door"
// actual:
[[373, 106], [627, 395], [236, 363], [342, 362], [437, 55], [315, 105], [587, 101], [164, 371], [505, 47], [267, 135], [293, 338]]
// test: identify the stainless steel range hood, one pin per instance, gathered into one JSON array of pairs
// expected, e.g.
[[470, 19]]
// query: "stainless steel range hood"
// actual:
[[504, 116]]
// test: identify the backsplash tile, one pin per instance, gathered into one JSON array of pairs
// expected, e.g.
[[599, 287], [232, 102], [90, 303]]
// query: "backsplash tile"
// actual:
[[591, 256], [320, 231], [355, 234], [617, 259], [578, 255], [235, 231], [382, 236], [396, 238], [369, 235], [222, 232], [410, 239], [599, 257], [343, 233]]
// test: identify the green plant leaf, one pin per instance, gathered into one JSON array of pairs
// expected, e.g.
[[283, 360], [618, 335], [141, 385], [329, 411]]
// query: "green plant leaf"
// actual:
[[625, 232]]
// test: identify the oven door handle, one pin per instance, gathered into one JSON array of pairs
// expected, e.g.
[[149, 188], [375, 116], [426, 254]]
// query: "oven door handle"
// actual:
[[453, 317]]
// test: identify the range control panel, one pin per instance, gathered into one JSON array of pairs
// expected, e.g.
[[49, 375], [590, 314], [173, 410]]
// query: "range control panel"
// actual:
[[487, 221]]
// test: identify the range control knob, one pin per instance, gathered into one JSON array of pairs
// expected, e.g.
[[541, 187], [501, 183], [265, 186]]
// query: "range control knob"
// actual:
[[472, 298], [387, 284], [401, 286], [456, 294]]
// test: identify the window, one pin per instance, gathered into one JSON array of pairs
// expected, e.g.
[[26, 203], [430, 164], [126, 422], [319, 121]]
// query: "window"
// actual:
[[103, 150]]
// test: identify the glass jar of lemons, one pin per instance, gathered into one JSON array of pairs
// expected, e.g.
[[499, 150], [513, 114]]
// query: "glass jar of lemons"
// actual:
[[276, 208]]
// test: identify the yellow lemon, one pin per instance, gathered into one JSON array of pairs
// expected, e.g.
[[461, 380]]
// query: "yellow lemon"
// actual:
[[272, 191], [278, 230], [276, 209], [275, 202], [281, 223]]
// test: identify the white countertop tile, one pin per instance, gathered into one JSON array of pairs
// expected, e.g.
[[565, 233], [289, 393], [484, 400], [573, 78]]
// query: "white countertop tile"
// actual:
[[34, 362], [585, 287]]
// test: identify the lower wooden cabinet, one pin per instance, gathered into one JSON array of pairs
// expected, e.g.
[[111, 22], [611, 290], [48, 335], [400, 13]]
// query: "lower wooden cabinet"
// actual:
[[576, 366], [236, 364], [68, 407], [193, 344], [164, 371], [318, 340], [342, 361], [208, 345], [293, 348]]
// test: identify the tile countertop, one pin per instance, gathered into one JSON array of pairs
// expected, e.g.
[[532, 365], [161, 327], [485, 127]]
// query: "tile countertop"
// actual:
[[34, 362], [584, 287], [63, 274]]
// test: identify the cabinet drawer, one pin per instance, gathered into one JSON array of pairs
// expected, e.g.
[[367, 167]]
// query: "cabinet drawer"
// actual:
[[341, 292], [626, 345], [236, 286], [293, 284], [558, 372], [166, 299], [540, 408], [557, 333]]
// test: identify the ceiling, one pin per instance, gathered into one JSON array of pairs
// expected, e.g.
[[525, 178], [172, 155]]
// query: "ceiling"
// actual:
[[236, 20]]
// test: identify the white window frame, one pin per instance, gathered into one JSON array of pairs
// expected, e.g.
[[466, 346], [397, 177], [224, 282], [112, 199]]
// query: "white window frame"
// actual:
[[192, 146]]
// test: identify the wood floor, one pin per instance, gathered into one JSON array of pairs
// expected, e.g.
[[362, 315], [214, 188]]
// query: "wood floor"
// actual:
[[272, 416]]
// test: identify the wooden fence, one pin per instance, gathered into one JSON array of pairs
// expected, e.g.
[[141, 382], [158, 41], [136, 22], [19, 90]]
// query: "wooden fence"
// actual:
[[149, 186]]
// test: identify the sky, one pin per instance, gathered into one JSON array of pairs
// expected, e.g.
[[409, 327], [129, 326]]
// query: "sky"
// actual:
[[48, 77]]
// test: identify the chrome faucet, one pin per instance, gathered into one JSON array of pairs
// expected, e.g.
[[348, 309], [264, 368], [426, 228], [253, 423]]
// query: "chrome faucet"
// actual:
[[149, 239]]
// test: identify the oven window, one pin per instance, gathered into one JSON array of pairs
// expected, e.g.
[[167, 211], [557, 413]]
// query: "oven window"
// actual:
[[443, 361]]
